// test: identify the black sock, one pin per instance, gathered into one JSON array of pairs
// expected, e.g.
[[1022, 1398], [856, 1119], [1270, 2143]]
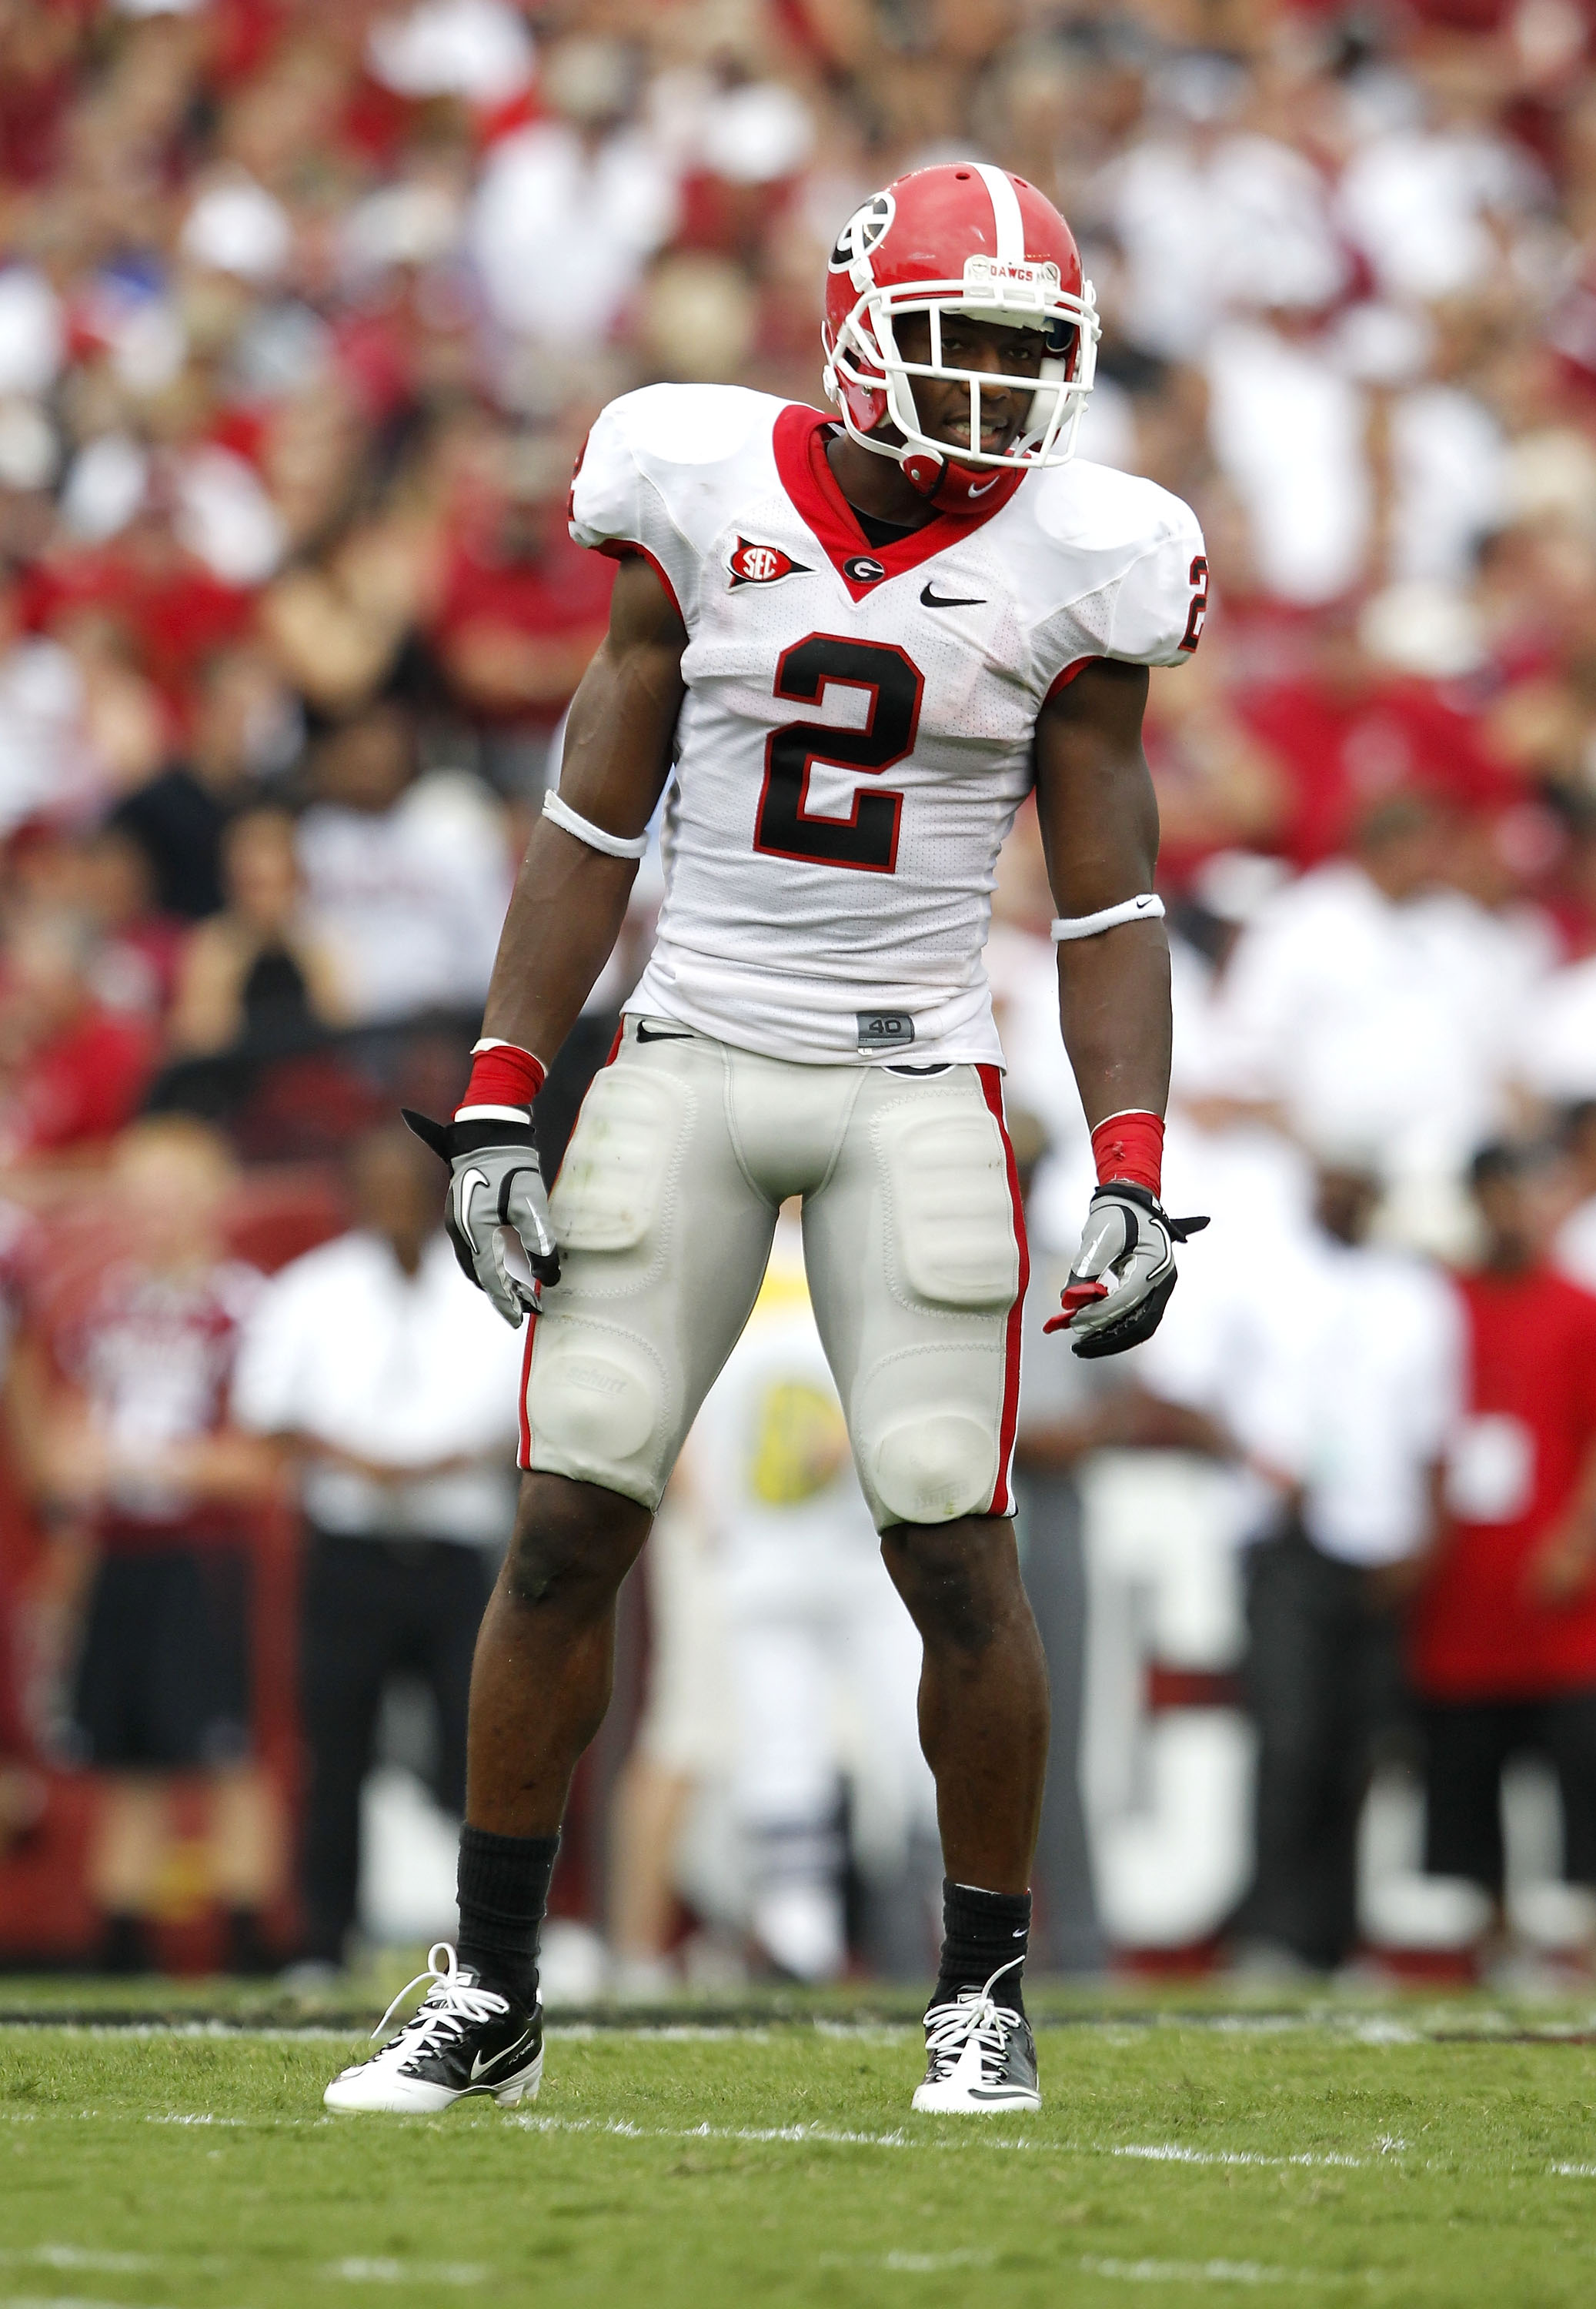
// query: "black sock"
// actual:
[[503, 1891], [981, 1930]]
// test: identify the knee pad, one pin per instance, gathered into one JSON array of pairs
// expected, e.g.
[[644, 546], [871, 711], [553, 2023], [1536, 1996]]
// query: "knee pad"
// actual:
[[596, 1398], [930, 1465]]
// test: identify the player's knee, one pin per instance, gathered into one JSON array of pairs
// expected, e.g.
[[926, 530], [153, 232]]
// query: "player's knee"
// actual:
[[572, 1546], [958, 1583], [932, 1466]]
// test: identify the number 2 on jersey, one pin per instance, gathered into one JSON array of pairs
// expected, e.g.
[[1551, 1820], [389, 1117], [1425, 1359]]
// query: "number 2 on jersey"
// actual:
[[868, 838], [1195, 615]]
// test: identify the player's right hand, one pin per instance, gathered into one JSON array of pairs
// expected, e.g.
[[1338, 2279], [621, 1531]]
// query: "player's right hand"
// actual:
[[497, 1214]]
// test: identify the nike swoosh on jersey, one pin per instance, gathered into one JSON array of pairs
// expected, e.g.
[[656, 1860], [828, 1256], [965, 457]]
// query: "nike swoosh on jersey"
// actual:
[[931, 600]]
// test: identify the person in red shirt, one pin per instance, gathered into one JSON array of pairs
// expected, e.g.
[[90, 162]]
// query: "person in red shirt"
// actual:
[[135, 1452], [521, 608], [1346, 734], [72, 1071], [1502, 1641]]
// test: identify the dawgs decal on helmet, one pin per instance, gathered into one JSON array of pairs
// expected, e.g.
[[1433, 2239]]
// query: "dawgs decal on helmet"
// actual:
[[761, 564]]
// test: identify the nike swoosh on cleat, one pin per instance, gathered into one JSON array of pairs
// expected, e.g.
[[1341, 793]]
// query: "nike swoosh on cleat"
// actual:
[[931, 600], [480, 2067]]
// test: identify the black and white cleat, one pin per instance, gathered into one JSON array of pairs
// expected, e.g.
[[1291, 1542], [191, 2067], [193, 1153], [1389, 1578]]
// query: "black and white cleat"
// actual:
[[464, 2039], [981, 2056]]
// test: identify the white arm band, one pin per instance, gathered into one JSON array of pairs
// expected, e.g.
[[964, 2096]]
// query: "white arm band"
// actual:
[[1148, 908], [613, 845]]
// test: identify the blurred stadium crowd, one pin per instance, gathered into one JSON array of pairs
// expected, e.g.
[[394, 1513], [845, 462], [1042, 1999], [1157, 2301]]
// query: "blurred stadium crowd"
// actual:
[[303, 314]]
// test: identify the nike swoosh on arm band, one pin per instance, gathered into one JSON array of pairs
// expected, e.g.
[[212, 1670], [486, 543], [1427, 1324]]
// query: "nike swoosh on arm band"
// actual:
[[613, 845], [1148, 908]]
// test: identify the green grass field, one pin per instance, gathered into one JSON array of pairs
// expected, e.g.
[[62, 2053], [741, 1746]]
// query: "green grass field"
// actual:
[[1426, 2152]]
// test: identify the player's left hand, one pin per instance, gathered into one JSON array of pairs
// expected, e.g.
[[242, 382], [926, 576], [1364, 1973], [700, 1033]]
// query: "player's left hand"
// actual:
[[1124, 1271]]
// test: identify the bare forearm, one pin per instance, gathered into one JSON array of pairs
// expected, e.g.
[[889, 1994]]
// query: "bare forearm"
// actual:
[[1099, 820], [1114, 1010], [564, 919]]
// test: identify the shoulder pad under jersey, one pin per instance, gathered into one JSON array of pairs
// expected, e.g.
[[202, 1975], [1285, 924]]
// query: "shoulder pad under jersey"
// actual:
[[662, 471], [1114, 562]]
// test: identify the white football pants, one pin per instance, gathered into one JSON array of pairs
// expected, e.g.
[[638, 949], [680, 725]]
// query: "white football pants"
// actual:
[[913, 1242]]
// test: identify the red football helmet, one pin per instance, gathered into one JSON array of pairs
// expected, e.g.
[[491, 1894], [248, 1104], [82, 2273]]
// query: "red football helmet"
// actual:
[[965, 239]]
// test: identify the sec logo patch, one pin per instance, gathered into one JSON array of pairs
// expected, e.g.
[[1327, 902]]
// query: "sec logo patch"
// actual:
[[761, 564]]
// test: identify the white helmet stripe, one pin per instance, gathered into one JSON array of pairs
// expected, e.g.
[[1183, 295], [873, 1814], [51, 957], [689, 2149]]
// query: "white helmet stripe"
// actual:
[[1005, 213]]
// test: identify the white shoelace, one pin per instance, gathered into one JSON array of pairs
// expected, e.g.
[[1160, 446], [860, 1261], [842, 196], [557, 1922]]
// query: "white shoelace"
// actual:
[[949, 2027], [451, 2004]]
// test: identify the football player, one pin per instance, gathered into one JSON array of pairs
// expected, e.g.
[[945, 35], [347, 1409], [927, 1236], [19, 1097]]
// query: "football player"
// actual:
[[844, 651]]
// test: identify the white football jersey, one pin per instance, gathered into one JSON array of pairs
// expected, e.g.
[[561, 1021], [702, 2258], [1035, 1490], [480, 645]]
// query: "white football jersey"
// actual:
[[856, 733]]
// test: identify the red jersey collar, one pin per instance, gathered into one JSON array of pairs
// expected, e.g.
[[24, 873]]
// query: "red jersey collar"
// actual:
[[805, 474]]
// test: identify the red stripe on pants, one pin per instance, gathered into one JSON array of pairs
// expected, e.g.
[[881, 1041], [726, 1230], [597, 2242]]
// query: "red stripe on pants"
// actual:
[[523, 1455], [1002, 1496], [523, 1449]]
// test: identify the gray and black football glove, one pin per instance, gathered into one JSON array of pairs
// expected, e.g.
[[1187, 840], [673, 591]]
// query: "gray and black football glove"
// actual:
[[498, 1214], [1124, 1271]]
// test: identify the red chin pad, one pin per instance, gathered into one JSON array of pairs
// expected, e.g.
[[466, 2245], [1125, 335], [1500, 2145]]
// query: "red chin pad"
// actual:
[[951, 487]]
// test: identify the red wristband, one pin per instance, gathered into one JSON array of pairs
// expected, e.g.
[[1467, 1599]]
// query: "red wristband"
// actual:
[[503, 1075], [1130, 1146]]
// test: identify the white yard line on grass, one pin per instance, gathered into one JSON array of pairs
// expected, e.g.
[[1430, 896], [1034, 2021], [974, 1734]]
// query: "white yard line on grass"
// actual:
[[1222, 2272], [77, 2256], [1165, 2152], [1159, 2152], [354, 2270], [1172, 2153], [60, 2301], [384, 2271], [912, 2264]]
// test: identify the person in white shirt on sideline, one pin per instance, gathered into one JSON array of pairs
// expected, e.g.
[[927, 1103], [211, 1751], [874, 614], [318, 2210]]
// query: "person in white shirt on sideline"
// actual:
[[393, 1384], [406, 877], [1331, 1368], [1348, 1006]]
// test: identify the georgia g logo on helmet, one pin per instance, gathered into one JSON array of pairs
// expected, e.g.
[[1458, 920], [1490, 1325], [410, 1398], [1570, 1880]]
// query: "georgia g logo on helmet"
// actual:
[[861, 234]]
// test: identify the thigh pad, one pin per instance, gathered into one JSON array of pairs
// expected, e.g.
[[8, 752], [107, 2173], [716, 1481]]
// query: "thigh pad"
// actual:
[[946, 1175]]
